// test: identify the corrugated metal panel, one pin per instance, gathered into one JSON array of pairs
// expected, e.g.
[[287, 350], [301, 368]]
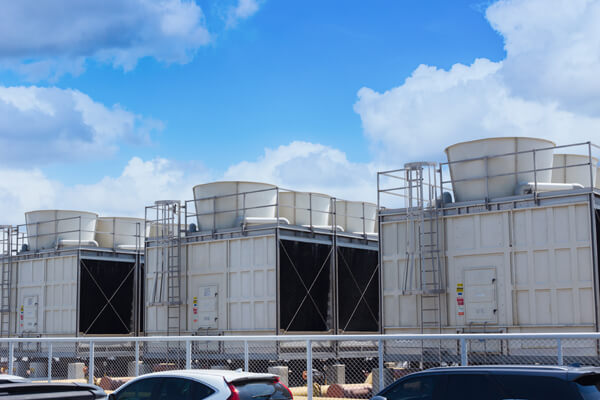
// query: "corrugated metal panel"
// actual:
[[539, 264], [243, 272], [53, 281], [252, 288], [399, 310]]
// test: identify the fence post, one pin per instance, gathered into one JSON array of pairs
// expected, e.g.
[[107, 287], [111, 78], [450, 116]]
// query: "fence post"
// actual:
[[91, 364], [380, 365], [246, 357], [464, 357], [11, 355], [188, 354], [137, 357], [49, 362], [309, 375], [559, 351]]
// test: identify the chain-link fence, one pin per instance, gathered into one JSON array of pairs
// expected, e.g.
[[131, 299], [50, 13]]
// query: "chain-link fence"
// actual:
[[312, 366]]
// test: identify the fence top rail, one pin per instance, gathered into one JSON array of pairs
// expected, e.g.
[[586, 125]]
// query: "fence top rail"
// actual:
[[304, 338]]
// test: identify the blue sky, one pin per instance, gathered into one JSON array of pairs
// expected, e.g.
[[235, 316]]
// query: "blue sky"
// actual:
[[251, 89]]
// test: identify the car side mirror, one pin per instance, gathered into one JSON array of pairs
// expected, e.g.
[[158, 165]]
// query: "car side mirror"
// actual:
[[378, 398]]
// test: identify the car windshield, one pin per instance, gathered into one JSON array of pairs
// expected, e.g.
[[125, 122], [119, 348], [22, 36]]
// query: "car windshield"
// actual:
[[262, 390]]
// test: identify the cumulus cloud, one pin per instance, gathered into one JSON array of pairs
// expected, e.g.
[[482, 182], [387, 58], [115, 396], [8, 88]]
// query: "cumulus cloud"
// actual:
[[244, 9], [49, 38], [553, 50], [546, 86], [41, 125], [299, 166], [305, 166], [140, 184]]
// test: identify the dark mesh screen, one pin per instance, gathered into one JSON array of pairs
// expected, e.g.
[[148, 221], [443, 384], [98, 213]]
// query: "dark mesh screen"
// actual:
[[304, 265], [358, 290], [101, 280]]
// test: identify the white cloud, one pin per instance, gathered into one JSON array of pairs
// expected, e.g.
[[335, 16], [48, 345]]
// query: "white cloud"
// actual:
[[553, 50], [50, 38], [139, 185], [547, 86], [42, 125], [299, 166], [312, 167], [243, 10]]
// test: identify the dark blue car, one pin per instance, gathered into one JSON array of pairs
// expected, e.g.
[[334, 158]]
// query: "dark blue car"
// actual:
[[497, 383]]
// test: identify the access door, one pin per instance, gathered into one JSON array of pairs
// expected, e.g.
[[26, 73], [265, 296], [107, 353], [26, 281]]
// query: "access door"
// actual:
[[480, 296]]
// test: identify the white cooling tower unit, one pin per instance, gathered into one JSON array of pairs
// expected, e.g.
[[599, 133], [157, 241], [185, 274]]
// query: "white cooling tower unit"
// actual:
[[121, 233], [222, 205], [47, 229], [571, 168], [356, 216], [304, 208], [478, 179]]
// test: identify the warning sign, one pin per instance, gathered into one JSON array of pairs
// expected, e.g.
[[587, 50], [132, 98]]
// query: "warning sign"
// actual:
[[460, 300]]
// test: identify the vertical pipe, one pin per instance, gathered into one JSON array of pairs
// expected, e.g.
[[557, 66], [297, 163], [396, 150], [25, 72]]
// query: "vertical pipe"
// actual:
[[559, 352], [91, 364], [11, 356], [188, 354], [246, 357], [309, 376], [591, 166], [50, 362], [137, 357], [363, 220], [487, 180], [535, 182], [310, 210], [334, 287], [380, 365], [464, 359], [214, 216], [277, 270]]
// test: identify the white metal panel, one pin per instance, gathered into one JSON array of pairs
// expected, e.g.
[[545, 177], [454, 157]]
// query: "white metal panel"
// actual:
[[543, 262], [60, 305], [54, 282], [252, 284], [400, 309], [553, 266], [242, 273]]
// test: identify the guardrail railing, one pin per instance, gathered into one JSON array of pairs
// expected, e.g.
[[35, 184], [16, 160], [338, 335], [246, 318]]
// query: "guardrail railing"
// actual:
[[313, 366]]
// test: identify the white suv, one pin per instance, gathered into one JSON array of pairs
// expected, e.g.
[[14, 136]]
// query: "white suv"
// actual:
[[203, 384]]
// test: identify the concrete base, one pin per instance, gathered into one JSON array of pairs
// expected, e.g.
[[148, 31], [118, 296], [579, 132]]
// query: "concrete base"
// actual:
[[282, 372], [335, 373], [143, 368], [75, 370], [38, 369], [388, 377], [20, 368]]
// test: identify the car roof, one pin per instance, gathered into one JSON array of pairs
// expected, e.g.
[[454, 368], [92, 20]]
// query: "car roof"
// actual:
[[568, 372], [12, 378], [228, 375]]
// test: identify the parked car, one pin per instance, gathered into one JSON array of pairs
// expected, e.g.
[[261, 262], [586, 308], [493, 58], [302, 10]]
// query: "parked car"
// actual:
[[496, 383], [45, 391], [5, 378], [203, 384]]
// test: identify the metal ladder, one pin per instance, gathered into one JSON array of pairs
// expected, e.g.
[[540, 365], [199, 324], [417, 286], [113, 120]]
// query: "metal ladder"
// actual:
[[5, 280], [425, 247], [168, 268]]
